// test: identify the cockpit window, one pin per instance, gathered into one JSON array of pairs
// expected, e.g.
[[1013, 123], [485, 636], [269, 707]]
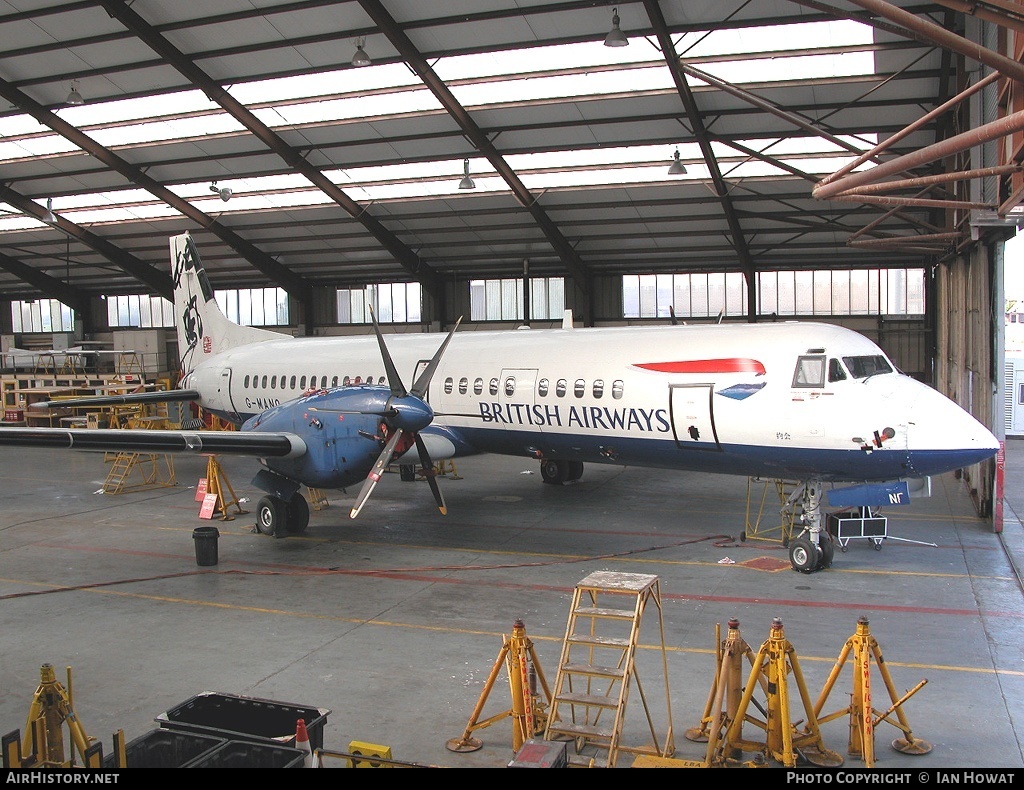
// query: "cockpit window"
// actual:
[[835, 371], [810, 372], [862, 367]]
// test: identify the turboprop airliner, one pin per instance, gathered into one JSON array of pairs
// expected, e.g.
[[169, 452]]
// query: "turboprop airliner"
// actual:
[[810, 402]]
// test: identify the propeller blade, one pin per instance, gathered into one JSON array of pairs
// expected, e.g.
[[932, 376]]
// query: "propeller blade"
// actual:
[[428, 470], [378, 469], [394, 380], [419, 389]]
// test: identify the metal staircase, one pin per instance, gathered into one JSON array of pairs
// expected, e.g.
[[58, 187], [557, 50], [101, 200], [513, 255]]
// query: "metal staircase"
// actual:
[[150, 469], [598, 670]]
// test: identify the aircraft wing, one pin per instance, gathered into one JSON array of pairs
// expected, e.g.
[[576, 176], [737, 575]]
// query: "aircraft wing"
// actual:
[[251, 443]]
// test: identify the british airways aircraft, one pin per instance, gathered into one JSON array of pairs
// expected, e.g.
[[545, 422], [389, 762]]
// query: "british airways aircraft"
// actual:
[[802, 401]]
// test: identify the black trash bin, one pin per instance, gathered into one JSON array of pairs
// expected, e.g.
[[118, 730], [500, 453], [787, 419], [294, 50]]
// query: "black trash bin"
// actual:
[[206, 545]]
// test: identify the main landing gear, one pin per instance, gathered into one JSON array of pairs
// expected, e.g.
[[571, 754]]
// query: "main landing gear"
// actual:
[[812, 550], [276, 517], [558, 472]]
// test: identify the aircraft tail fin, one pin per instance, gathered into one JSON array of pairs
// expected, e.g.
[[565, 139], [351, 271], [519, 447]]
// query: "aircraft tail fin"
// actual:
[[203, 329]]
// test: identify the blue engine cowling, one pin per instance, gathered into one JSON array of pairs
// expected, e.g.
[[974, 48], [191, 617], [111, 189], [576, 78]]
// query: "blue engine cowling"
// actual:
[[344, 430]]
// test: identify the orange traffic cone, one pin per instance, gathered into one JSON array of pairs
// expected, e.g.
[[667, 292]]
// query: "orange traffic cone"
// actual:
[[302, 742]]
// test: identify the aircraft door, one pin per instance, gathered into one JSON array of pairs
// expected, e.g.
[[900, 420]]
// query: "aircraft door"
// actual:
[[693, 423], [224, 395]]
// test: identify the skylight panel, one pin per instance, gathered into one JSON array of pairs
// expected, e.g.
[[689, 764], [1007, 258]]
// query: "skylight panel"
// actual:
[[374, 105], [325, 83], [747, 40]]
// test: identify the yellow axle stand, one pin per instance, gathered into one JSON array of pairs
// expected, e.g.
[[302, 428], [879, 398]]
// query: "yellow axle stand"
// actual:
[[528, 711], [863, 718], [51, 709]]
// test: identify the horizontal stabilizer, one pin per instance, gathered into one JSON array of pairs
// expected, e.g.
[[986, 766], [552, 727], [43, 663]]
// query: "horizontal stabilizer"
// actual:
[[163, 396], [870, 495]]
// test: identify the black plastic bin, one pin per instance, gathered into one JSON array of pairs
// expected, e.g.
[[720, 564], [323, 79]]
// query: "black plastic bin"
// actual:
[[162, 748], [249, 754], [206, 545], [245, 718]]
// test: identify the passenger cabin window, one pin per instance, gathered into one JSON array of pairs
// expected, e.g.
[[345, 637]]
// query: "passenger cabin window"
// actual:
[[560, 388], [862, 367], [245, 383], [449, 385], [334, 382], [617, 389], [302, 383], [293, 382], [580, 389], [264, 381], [510, 386], [835, 371], [810, 372], [478, 386], [492, 387], [542, 388], [463, 385], [598, 388]]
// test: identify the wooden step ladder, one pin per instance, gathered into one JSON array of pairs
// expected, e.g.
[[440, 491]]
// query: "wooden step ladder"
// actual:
[[598, 669]]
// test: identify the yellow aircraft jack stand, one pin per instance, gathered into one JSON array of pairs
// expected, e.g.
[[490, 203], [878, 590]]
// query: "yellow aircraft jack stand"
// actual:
[[216, 483], [528, 711], [52, 708], [863, 718], [773, 664], [726, 689]]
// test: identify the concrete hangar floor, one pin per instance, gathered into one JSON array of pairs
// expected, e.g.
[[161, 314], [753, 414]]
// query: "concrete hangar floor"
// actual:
[[394, 622]]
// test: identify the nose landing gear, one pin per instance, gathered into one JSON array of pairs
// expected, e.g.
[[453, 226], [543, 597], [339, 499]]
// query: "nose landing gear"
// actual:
[[812, 550]]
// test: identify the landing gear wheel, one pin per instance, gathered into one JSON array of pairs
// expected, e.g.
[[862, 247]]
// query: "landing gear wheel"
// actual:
[[803, 555], [828, 552], [575, 470], [407, 472], [271, 515], [298, 514], [554, 472]]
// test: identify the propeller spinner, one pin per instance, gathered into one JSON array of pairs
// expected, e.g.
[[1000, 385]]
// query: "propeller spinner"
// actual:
[[407, 412]]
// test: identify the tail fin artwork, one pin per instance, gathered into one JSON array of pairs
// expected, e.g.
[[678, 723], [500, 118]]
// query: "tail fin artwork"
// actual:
[[203, 330]]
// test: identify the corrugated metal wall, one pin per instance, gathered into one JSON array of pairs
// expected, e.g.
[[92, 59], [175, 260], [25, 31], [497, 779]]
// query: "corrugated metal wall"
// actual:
[[963, 353]]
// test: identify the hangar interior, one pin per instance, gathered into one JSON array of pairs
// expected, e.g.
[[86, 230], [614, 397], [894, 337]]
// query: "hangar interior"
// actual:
[[765, 154]]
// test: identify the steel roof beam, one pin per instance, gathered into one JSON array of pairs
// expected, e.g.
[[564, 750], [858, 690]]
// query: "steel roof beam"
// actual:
[[476, 136], [703, 139], [159, 281], [409, 260]]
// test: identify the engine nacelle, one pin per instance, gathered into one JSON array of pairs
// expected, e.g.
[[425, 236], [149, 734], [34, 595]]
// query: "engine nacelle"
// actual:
[[344, 429]]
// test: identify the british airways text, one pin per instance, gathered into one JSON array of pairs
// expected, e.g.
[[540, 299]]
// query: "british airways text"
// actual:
[[598, 417]]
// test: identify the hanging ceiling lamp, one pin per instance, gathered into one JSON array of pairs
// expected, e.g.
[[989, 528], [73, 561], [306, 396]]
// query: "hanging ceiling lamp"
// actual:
[[677, 168], [615, 37], [361, 59], [466, 182], [74, 97]]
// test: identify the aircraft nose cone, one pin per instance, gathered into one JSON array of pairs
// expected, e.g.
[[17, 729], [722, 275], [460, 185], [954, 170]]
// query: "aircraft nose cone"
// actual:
[[942, 436], [411, 413]]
